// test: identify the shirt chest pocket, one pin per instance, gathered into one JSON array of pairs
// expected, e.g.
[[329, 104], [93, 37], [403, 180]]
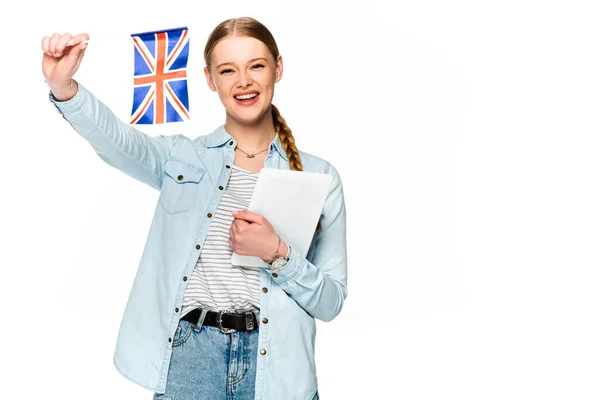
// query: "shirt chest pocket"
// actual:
[[180, 186]]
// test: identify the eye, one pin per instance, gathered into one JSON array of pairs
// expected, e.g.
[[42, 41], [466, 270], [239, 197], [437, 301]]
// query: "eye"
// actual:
[[257, 66], [226, 71]]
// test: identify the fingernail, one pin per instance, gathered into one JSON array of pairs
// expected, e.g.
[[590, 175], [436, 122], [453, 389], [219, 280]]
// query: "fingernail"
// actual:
[[70, 42], [83, 46], [48, 54], [234, 212], [56, 54]]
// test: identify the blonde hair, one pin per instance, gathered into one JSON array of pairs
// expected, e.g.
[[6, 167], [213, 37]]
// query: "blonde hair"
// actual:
[[249, 27]]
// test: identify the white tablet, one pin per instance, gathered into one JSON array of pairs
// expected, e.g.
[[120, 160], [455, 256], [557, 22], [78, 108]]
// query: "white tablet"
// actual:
[[292, 201]]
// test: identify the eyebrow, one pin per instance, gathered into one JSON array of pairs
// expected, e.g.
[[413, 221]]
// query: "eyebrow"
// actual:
[[249, 62]]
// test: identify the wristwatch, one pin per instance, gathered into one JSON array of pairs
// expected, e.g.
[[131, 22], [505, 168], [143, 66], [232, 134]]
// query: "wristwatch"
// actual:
[[279, 262]]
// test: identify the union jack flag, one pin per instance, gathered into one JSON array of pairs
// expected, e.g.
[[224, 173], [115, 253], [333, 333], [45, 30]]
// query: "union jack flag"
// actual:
[[160, 82]]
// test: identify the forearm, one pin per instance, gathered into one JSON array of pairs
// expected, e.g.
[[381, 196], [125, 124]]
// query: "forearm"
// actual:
[[317, 292], [118, 144], [318, 282]]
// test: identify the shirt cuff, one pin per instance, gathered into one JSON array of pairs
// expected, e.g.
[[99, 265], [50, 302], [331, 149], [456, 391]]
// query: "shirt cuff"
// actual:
[[291, 269]]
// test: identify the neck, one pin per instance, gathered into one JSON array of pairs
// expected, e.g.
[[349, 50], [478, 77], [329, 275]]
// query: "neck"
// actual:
[[252, 137]]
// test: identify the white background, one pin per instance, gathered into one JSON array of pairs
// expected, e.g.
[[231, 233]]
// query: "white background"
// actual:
[[466, 134]]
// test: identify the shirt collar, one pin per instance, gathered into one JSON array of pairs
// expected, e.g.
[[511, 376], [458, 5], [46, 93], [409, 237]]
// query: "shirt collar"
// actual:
[[276, 145], [220, 136]]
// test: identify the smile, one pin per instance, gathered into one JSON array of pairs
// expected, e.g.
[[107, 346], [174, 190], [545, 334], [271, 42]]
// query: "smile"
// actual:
[[246, 96]]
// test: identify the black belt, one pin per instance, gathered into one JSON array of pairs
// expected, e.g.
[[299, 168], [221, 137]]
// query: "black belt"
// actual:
[[226, 321]]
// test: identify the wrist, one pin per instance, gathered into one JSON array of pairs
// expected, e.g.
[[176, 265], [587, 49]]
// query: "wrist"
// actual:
[[283, 249], [64, 93]]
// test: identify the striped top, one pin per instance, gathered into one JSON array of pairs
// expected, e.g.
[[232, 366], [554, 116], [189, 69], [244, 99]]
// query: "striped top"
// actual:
[[215, 283]]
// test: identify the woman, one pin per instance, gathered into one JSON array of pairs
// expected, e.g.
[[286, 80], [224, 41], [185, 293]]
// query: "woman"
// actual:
[[179, 336]]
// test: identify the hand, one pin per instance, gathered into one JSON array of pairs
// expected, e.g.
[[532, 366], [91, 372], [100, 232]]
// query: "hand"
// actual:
[[62, 57], [252, 235]]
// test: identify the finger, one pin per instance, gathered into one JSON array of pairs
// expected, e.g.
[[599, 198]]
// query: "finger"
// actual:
[[78, 42], [79, 38], [61, 43], [235, 226], [46, 45], [249, 216], [233, 240], [52, 44], [241, 226], [76, 50]]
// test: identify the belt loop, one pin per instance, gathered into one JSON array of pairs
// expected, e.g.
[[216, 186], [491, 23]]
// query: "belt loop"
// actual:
[[200, 320]]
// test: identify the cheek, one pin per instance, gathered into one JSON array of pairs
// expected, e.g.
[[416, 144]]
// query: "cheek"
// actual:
[[223, 87], [222, 95], [266, 80]]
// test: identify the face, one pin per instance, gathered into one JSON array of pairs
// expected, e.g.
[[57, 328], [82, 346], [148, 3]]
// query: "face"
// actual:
[[243, 73]]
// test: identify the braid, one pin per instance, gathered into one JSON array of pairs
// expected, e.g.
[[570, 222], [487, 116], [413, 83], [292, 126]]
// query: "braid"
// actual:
[[287, 140], [289, 145]]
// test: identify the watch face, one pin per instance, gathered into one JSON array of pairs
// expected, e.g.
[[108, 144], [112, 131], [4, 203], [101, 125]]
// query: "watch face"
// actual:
[[279, 263]]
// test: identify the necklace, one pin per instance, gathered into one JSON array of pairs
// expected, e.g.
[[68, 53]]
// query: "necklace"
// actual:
[[250, 155]]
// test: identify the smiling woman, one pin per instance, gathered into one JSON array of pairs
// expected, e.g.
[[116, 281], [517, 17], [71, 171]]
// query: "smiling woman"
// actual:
[[243, 71], [197, 326]]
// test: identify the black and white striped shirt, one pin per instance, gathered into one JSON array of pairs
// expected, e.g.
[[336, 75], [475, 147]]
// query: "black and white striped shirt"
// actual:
[[215, 283]]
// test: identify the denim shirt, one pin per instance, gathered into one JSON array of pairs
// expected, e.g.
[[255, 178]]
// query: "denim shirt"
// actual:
[[189, 173]]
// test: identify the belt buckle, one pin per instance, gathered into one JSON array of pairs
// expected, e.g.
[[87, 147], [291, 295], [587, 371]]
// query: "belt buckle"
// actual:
[[220, 321]]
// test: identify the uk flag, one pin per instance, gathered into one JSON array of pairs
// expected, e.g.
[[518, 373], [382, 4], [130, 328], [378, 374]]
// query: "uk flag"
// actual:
[[160, 91]]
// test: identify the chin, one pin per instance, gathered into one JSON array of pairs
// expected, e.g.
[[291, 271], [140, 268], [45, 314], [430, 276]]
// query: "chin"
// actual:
[[249, 118]]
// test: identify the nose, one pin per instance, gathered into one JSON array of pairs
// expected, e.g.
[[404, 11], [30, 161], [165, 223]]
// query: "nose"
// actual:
[[244, 79]]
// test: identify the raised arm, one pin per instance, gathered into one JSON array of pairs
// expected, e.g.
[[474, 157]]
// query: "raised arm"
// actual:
[[120, 145]]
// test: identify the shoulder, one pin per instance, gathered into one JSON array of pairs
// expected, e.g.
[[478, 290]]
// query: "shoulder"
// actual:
[[200, 141], [189, 150], [216, 138]]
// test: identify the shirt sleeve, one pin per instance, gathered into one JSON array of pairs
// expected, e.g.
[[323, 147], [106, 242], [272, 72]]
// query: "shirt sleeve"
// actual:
[[118, 144], [319, 286]]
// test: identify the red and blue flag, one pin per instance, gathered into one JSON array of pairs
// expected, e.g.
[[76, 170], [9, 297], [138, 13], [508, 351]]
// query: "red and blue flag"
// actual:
[[160, 92]]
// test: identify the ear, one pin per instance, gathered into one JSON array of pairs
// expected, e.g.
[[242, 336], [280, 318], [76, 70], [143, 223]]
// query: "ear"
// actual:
[[209, 80], [278, 68]]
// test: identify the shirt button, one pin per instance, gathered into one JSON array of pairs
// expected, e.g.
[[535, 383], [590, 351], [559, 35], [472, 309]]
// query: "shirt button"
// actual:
[[176, 309], [185, 278], [171, 339], [275, 275], [197, 247], [227, 166], [220, 187], [265, 320], [209, 215], [262, 351], [180, 177], [265, 290], [231, 143]]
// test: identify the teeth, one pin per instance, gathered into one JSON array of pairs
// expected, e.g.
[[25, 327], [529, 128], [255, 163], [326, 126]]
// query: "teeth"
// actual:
[[246, 96]]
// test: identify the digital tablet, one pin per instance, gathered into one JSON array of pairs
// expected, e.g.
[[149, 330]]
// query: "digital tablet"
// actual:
[[292, 201]]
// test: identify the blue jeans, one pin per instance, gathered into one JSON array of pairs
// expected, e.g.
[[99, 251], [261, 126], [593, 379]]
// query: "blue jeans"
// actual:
[[209, 364]]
